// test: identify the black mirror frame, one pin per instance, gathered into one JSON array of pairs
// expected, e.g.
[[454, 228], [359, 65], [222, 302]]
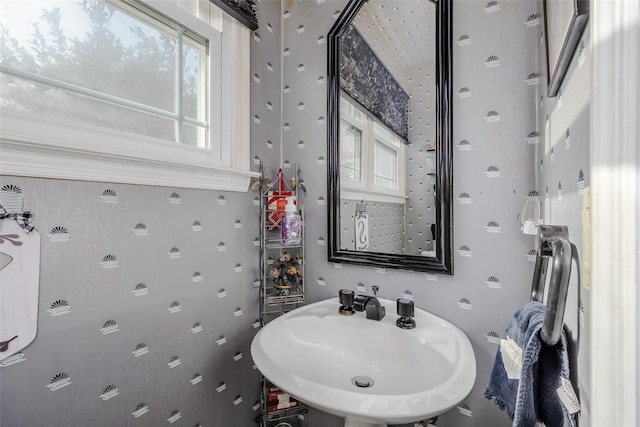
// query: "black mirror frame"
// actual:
[[442, 263]]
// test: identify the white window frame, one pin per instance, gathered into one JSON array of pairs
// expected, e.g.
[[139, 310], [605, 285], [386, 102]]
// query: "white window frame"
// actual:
[[364, 140], [399, 150], [366, 189], [48, 148]]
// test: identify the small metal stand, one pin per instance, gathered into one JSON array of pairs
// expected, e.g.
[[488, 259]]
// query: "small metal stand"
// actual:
[[288, 183]]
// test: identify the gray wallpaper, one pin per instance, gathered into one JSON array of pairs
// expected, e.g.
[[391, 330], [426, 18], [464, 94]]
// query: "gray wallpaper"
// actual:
[[183, 301], [493, 170], [386, 226], [562, 167], [147, 308], [422, 161]]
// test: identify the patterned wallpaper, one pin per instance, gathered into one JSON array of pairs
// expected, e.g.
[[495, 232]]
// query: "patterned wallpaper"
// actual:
[[421, 202], [147, 308], [562, 167], [386, 226], [179, 305], [494, 168]]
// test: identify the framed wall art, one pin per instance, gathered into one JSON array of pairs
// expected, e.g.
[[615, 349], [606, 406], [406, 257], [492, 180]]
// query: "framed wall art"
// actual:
[[564, 22]]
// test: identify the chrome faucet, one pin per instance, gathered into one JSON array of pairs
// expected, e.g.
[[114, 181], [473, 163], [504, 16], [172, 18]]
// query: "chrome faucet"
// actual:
[[370, 305]]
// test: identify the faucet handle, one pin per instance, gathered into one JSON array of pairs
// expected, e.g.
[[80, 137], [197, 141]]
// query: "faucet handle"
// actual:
[[406, 311], [405, 307], [346, 301], [346, 297]]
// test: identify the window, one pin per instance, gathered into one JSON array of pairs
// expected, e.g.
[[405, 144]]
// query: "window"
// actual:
[[125, 91], [386, 174], [372, 158], [350, 153]]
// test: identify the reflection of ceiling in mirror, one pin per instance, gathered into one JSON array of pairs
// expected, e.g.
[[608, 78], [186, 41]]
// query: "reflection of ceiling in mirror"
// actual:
[[402, 33]]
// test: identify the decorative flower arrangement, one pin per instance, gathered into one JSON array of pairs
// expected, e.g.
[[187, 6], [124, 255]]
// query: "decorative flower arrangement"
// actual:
[[287, 273]]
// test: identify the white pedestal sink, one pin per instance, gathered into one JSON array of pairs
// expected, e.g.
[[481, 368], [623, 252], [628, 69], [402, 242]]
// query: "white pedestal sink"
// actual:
[[369, 372]]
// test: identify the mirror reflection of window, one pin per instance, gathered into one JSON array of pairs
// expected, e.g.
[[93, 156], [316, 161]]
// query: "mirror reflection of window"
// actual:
[[350, 153], [372, 158], [352, 126], [386, 170], [388, 155]]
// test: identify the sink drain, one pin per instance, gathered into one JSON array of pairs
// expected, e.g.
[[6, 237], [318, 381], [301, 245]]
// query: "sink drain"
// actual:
[[361, 381]]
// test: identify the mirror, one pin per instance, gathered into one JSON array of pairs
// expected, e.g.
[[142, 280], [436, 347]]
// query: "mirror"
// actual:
[[389, 135]]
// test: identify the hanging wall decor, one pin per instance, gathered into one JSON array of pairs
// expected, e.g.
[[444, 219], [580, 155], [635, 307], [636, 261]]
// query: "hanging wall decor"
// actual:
[[361, 226], [564, 21], [19, 273]]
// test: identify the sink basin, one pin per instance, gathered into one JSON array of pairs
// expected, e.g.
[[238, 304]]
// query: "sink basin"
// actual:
[[369, 372]]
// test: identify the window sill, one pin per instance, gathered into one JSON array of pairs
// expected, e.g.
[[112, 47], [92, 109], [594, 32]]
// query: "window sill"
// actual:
[[83, 153], [347, 194]]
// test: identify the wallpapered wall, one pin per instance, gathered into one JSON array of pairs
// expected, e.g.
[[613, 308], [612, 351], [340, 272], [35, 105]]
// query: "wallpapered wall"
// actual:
[[386, 226], [494, 112], [495, 79], [421, 212], [563, 177], [155, 308]]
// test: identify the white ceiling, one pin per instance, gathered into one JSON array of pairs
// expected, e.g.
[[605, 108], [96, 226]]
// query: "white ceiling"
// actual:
[[401, 32]]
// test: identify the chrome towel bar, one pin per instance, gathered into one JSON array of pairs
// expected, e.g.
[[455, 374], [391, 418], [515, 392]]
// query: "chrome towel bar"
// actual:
[[553, 244]]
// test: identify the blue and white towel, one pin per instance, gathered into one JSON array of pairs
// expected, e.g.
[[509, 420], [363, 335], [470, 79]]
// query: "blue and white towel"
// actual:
[[533, 396]]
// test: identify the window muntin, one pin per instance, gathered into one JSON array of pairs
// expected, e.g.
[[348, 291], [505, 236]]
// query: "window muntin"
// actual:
[[118, 65]]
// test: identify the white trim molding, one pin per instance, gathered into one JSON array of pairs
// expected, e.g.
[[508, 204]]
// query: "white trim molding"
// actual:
[[370, 196], [27, 150], [615, 208]]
